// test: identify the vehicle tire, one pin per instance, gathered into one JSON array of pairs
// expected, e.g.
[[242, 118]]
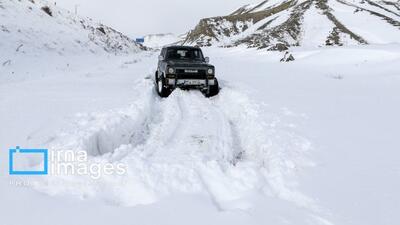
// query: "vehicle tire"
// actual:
[[162, 90], [213, 90]]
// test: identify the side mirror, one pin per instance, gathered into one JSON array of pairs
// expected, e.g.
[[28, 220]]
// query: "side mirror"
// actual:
[[207, 59], [160, 57]]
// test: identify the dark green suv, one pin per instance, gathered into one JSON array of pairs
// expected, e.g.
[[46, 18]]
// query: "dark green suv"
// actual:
[[185, 67]]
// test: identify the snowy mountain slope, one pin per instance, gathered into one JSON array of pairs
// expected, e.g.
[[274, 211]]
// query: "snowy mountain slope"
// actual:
[[34, 27], [277, 25], [38, 39]]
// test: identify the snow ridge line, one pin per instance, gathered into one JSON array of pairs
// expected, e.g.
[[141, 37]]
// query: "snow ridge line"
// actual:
[[385, 18]]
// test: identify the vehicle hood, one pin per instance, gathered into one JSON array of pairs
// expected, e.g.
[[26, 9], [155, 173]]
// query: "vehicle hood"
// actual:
[[185, 63]]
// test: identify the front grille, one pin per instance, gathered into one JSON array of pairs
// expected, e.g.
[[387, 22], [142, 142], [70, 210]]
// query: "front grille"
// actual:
[[181, 74]]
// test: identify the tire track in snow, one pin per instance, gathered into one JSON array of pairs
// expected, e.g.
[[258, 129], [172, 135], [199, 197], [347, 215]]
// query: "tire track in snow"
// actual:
[[226, 147]]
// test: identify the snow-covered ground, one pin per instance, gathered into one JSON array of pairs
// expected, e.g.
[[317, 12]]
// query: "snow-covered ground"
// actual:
[[314, 141]]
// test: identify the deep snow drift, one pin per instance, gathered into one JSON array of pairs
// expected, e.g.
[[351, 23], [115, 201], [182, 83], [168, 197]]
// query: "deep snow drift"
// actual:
[[187, 144]]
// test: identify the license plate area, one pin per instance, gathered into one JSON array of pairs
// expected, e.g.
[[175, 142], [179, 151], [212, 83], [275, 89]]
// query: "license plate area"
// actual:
[[191, 82]]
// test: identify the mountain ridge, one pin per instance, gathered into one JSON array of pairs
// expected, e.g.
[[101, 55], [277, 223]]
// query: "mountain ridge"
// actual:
[[279, 25]]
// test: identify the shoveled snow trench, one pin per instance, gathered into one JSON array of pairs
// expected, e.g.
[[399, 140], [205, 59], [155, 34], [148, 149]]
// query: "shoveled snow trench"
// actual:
[[226, 147]]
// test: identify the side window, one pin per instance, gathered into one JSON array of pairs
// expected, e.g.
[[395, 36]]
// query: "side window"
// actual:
[[163, 52]]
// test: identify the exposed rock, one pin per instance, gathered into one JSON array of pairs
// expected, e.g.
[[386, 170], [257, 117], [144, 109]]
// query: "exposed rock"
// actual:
[[47, 10], [287, 57]]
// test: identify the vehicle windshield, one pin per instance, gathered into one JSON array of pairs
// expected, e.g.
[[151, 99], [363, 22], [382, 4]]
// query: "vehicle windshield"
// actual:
[[184, 54]]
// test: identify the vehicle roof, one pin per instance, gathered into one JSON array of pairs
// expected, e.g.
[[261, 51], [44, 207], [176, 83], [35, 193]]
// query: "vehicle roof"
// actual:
[[181, 47]]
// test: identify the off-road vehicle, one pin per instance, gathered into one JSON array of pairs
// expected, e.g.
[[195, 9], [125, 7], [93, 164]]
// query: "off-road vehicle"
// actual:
[[185, 67]]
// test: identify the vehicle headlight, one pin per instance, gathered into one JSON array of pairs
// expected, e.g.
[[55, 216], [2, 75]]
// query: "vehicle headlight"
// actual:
[[171, 70], [210, 71]]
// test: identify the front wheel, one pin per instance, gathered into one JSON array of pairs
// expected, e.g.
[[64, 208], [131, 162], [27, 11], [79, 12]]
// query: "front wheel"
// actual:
[[162, 90], [213, 90]]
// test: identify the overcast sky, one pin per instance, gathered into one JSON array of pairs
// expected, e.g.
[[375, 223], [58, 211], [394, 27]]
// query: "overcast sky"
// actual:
[[136, 18]]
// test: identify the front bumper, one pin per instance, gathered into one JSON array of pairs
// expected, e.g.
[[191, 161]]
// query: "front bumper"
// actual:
[[190, 82]]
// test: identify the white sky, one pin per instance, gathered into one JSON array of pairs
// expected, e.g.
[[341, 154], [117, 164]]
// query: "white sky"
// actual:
[[137, 18]]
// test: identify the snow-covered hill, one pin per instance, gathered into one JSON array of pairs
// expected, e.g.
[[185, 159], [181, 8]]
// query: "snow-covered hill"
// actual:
[[39, 39], [34, 27], [279, 24]]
